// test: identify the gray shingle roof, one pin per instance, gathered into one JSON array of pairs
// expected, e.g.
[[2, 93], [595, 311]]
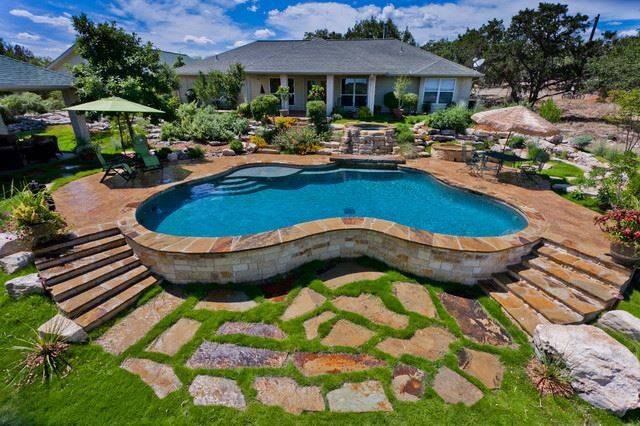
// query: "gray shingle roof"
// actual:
[[371, 56], [17, 75]]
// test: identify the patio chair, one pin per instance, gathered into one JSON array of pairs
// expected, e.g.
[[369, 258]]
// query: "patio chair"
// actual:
[[151, 162], [474, 162], [528, 171], [121, 169], [486, 165]]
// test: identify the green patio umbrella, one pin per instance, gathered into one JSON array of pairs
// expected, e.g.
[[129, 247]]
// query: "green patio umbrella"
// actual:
[[117, 106]]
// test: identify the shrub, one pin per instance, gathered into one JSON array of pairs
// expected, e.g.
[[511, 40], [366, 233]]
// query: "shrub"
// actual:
[[426, 107], [301, 141], [244, 109], [31, 215], [264, 106], [517, 142], [390, 100], [54, 101], [582, 142], [336, 117], [284, 123], [258, 140], [408, 150], [538, 154], [163, 153], [195, 153], [622, 226], [316, 93], [203, 124], [364, 113], [404, 134], [606, 151], [22, 103], [550, 111], [236, 146], [317, 112], [550, 377], [410, 102], [456, 118], [6, 116]]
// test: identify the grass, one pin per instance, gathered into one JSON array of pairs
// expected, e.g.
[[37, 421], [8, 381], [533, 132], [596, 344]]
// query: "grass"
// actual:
[[97, 391], [560, 169], [385, 119]]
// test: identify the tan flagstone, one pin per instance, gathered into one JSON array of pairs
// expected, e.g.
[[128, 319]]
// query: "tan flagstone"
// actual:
[[453, 388], [414, 298], [346, 333], [359, 398], [484, 366], [348, 272], [372, 308], [306, 301], [311, 325], [208, 390], [172, 339], [159, 377], [431, 343], [223, 299], [286, 393]]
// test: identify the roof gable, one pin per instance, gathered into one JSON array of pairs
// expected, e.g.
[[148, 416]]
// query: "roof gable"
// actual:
[[17, 75]]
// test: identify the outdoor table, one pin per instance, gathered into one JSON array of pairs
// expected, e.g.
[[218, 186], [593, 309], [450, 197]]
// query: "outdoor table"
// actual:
[[503, 157]]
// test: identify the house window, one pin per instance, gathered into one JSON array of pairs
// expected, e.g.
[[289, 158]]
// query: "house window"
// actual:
[[439, 90], [354, 92], [274, 83], [323, 83]]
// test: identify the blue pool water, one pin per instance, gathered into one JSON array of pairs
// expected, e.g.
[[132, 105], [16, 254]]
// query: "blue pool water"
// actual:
[[265, 198]]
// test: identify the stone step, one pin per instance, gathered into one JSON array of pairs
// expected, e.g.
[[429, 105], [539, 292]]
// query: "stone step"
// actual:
[[81, 237], [608, 274], [81, 250], [607, 293], [58, 274], [550, 308], [269, 151], [112, 307], [586, 306], [525, 316], [86, 300], [73, 286]]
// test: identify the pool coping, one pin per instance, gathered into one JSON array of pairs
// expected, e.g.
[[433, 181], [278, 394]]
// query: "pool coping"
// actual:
[[133, 230]]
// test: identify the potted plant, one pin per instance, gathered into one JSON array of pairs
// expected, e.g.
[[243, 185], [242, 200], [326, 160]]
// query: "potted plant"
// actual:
[[283, 93], [32, 217], [623, 228]]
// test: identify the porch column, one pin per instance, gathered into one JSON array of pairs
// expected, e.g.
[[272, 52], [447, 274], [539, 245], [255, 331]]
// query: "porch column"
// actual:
[[330, 94], [421, 87], [3, 128], [80, 129], [284, 82], [371, 92]]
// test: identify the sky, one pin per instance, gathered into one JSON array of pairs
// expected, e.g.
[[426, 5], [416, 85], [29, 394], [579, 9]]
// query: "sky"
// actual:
[[206, 27]]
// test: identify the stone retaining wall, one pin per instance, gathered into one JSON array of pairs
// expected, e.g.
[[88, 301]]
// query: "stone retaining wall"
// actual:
[[367, 142]]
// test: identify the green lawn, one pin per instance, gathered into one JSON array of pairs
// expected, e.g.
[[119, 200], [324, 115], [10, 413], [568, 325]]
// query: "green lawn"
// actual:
[[560, 169], [97, 391], [384, 119]]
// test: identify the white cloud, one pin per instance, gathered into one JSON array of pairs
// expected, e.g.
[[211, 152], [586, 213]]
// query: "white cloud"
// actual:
[[58, 21], [264, 33], [628, 33], [239, 43], [253, 8], [28, 36], [197, 40], [614, 23]]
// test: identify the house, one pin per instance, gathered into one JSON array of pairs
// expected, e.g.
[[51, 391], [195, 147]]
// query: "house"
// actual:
[[354, 72], [70, 57]]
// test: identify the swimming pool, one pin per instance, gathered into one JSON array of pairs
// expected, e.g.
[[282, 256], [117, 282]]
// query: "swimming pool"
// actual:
[[264, 198]]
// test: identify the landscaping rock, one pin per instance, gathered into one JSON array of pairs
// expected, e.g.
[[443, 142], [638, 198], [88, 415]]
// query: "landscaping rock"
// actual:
[[173, 156], [11, 243], [346, 333], [24, 285], [224, 299], [306, 301], [269, 331], [407, 383], [453, 388], [316, 364], [359, 398], [64, 327], [430, 343], [414, 298], [348, 272], [159, 377], [212, 355], [311, 325], [227, 152], [474, 321], [484, 366], [284, 392], [372, 308], [604, 372], [17, 261], [170, 342], [622, 322], [208, 390]]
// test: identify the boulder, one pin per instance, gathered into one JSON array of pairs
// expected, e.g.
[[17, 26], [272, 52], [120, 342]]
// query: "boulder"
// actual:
[[173, 156], [556, 140], [64, 327], [227, 152], [250, 147], [11, 243], [24, 285], [17, 261], [603, 371], [622, 322]]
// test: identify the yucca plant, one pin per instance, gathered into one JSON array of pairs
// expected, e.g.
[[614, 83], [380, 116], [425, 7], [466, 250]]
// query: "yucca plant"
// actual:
[[550, 376]]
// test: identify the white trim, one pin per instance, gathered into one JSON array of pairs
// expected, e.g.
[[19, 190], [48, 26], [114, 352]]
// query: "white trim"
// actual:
[[371, 92], [330, 93]]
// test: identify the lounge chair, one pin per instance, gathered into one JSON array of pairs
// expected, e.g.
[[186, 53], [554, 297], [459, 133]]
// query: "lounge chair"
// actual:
[[473, 163], [151, 162], [121, 169]]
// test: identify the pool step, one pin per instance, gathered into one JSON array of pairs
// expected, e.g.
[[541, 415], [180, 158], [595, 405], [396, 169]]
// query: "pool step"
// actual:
[[95, 278]]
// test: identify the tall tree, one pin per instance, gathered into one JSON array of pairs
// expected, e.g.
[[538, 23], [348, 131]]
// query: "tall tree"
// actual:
[[618, 68], [324, 34], [367, 28], [23, 54]]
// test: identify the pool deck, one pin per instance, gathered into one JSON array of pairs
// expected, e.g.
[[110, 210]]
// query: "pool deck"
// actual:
[[87, 202]]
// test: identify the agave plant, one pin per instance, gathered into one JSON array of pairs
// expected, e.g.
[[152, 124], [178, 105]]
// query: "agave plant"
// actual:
[[550, 376]]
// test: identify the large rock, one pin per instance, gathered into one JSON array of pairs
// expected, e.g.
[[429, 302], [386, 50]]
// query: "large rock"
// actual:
[[11, 243], [64, 327], [604, 372], [17, 261], [24, 285], [622, 322]]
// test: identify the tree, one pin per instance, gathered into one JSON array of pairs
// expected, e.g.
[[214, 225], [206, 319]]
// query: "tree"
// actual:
[[628, 117], [179, 62], [23, 54], [365, 29], [466, 49], [400, 89], [218, 88], [323, 34], [618, 68]]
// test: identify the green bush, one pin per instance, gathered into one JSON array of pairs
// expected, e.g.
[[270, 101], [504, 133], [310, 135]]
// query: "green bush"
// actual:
[[538, 154], [298, 140], [316, 93], [582, 142], [264, 106], [163, 153], [404, 134], [390, 100], [550, 111], [517, 142], [364, 113], [236, 146], [606, 151], [410, 102], [31, 215], [6, 116], [244, 109], [426, 107], [336, 117], [203, 124], [22, 103], [317, 113], [54, 101], [195, 153], [456, 118]]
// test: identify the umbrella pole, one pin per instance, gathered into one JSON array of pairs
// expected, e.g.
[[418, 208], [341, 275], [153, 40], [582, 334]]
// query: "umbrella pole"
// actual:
[[121, 135], [504, 147]]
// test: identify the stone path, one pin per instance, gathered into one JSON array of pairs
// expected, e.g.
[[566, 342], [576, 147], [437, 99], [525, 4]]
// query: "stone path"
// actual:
[[311, 325], [224, 355], [348, 272], [227, 300], [316, 364], [453, 388], [285, 392], [159, 377], [346, 333], [208, 390], [306, 301], [358, 398], [372, 308], [138, 323], [176, 336], [484, 366], [474, 321], [415, 298], [430, 343], [268, 331], [407, 383]]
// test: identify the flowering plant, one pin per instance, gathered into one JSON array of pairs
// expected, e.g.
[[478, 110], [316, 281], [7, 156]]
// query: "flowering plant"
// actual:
[[622, 225]]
